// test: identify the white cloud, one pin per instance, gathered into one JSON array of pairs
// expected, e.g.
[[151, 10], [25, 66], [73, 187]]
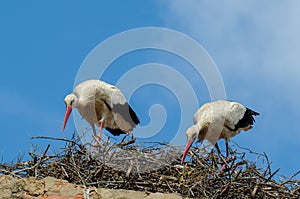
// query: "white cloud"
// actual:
[[248, 33], [255, 44]]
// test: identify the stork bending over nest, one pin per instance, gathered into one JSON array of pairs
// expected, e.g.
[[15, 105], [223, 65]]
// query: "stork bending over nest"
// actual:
[[216, 120], [102, 104]]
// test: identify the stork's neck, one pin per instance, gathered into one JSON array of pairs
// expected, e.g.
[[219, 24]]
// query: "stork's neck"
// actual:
[[197, 127], [202, 129], [85, 104]]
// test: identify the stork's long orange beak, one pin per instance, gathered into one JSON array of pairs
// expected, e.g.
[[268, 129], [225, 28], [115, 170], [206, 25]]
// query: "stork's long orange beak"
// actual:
[[68, 112], [187, 148]]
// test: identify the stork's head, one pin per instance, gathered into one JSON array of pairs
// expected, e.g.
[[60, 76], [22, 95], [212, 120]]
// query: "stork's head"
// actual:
[[195, 131], [70, 101], [191, 134]]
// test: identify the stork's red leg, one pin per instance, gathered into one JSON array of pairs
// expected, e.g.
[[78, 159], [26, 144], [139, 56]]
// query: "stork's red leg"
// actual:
[[97, 137], [227, 157], [220, 154], [95, 143], [227, 152], [100, 131]]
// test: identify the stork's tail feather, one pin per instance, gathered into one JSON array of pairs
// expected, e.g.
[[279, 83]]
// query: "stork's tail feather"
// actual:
[[115, 132], [251, 112], [247, 120]]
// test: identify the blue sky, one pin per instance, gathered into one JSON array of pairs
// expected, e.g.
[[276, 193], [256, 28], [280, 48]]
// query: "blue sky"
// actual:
[[254, 44]]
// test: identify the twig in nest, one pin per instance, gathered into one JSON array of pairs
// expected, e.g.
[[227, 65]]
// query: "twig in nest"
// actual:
[[290, 178], [40, 161], [52, 138], [126, 143]]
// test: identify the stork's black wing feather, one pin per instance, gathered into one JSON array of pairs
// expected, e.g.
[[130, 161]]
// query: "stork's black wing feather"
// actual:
[[133, 116], [127, 113], [247, 120]]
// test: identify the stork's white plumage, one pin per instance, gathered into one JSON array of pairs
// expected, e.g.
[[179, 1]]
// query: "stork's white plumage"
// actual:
[[219, 119], [102, 104]]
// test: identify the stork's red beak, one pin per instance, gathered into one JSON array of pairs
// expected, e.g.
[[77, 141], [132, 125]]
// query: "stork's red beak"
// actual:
[[68, 112], [187, 148]]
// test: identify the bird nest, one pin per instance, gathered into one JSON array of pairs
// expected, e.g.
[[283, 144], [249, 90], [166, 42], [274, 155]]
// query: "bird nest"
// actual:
[[155, 167]]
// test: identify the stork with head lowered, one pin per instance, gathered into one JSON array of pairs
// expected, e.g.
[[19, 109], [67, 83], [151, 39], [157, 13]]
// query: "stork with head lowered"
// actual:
[[219, 120], [101, 104]]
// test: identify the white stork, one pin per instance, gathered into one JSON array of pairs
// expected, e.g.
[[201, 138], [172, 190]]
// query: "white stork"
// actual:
[[102, 104], [216, 120]]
